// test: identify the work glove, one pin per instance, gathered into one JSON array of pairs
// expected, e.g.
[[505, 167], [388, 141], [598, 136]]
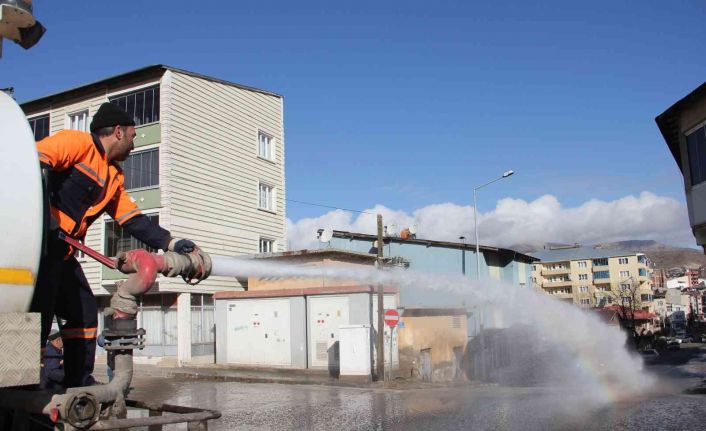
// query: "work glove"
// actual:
[[182, 246]]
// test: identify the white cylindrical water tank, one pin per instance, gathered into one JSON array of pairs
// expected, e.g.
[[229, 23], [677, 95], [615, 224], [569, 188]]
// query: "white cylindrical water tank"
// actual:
[[21, 220]]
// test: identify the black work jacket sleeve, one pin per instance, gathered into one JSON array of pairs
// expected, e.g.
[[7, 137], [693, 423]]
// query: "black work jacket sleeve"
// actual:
[[152, 234]]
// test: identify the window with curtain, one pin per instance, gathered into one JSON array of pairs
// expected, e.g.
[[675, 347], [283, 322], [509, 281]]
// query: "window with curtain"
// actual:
[[265, 146], [79, 121], [202, 319], [266, 198]]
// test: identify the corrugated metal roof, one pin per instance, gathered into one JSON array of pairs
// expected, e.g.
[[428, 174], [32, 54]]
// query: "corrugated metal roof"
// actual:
[[317, 252], [579, 253], [429, 243]]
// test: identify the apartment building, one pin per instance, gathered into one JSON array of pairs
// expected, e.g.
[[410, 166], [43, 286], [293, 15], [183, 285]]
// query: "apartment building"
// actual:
[[591, 277], [208, 165], [683, 127]]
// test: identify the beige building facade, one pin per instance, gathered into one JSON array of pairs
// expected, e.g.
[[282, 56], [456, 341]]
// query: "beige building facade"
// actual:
[[590, 277], [208, 165]]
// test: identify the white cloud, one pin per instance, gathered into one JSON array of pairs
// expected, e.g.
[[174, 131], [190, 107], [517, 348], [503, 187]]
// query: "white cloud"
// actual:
[[516, 221]]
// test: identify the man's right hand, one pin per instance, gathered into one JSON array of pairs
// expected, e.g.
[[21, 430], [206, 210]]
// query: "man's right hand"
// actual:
[[182, 246]]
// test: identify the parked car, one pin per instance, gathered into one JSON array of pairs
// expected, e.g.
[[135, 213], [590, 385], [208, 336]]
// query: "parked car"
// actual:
[[674, 345], [649, 355], [688, 340]]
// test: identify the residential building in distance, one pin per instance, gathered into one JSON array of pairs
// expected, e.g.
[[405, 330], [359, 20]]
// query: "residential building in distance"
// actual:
[[683, 127], [592, 277], [659, 278], [208, 165]]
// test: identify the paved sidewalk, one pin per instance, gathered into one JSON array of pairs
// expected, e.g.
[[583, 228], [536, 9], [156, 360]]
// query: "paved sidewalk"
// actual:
[[227, 373]]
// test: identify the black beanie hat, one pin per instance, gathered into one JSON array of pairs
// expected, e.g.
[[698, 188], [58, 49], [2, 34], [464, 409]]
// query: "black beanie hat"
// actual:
[[109, 115]]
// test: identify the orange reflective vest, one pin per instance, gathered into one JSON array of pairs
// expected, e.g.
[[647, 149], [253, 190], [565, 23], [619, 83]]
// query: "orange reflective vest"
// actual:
[[83, 183]]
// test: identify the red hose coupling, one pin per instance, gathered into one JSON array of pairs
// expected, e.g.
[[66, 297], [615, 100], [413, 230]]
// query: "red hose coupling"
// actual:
[[143, 267]]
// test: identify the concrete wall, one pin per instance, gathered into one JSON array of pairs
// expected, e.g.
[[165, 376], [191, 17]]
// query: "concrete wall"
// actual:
[[271, 283], [441, 334]]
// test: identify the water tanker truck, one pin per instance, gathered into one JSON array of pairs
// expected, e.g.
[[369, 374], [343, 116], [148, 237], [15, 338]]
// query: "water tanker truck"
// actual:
[[24, 220]]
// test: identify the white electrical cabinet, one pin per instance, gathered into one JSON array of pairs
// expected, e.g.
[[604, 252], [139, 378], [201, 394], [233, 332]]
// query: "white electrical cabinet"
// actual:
[[259, 332], [354, 341], [326, 314]]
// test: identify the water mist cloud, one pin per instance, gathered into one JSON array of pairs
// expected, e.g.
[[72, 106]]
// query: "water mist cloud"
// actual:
[[517, 221]]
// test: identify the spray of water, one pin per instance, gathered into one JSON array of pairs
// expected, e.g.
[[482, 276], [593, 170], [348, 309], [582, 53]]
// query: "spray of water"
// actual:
[[591, 355]]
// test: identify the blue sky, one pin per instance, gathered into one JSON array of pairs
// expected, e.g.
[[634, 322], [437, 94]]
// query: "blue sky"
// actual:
[[409, 104]]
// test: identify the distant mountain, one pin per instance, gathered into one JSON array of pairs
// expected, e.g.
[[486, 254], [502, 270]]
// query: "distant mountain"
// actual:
[[663, 256]]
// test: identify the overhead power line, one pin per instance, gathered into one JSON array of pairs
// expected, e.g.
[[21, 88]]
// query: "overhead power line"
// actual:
[[329, 206]]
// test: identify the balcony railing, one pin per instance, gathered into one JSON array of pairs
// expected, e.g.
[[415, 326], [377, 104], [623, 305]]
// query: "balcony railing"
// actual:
[[560, 283], [555, 271]]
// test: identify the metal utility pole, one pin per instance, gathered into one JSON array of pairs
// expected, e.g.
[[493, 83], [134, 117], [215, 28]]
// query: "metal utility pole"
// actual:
[[475, 217], [381, 309]]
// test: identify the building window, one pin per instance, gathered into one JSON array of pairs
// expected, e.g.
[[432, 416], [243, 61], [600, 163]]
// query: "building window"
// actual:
[[202, 319], [266, 197], [645, 298], [624, 274], [78, 254], [267, 245], [600, 262], [582, 264], [623, 261], [118, 240], [583, 289], [79, 121], [625, 286], [601, 274], [585, 302], [641, 258], [583, 276], [39, 126], [265, 146], [141, 105], [141, 169], [696, 146], [642, 272]]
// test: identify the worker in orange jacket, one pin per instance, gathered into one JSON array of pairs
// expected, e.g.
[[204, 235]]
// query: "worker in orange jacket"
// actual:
[[85, 181]]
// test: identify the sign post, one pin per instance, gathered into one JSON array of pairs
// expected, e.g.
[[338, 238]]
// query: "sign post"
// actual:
[[392, 318]]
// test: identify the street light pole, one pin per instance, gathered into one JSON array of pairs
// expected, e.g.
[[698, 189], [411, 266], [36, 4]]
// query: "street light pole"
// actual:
[[475, 217]]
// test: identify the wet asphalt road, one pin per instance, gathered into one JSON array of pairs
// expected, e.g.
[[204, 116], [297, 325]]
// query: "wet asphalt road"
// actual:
[[296, 407]]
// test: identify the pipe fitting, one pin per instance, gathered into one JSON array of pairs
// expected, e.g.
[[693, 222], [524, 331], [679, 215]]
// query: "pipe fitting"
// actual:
[[196, 265]]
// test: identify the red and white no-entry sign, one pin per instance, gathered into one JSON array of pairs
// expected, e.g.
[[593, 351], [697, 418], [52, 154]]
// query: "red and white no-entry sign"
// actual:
[[392, 317]]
